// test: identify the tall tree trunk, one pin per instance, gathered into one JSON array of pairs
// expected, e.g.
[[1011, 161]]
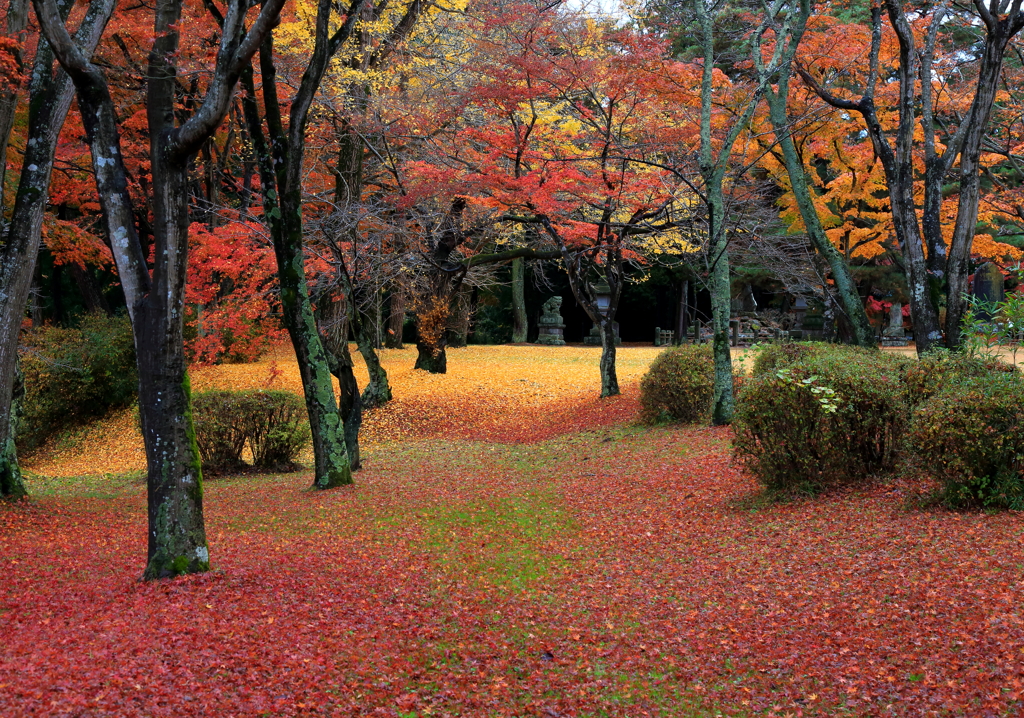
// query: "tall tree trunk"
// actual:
[[17, 21], [845, 287], [396, 320], [721, 308], [1001, 28], [520, 327], [332, 466], [50, 96], [11, 484], [177, 535], [609, 377]]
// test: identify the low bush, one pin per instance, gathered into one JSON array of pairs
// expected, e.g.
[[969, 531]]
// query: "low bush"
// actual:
[[75, 374], [679, 386], [970, 436], [222, 425], [279, 430], [272, 423], [836, 416], [941, 369], [779, 355]]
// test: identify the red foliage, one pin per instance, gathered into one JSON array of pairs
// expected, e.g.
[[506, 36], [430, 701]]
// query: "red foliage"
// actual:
[[231, 292], [663, 588]]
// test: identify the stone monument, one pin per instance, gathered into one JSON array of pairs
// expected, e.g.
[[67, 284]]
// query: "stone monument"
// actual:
[[550, 326], [895, 335], [988, 286]]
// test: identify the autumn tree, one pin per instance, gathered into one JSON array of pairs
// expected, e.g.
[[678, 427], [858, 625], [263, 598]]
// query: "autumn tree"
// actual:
[[50, 94], [155, 298], [906, 102], [789, 30]]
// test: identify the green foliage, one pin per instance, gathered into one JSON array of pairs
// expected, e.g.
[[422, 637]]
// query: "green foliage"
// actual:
[[970, 436], [74, 375], [989, 326], [272, 423], [834, 417], [769, 358], [679, 386], [941, 369]]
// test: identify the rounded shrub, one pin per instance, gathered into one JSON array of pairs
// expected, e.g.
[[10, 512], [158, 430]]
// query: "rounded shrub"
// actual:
[[272, 423], [941, 369], [779, 355], [279, 429], [222, 425], [835, 417], [75, 374], [679, 386], [970, 436]]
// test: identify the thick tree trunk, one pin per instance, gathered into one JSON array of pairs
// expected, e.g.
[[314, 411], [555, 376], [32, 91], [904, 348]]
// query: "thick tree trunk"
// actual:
[[520, 327], [430, 358], [50, 97], [396, 320]]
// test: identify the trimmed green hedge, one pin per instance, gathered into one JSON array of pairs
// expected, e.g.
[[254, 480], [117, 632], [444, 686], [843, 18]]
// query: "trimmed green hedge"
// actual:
[[826, 417], [679, 386], [272, 423], [970, 436]]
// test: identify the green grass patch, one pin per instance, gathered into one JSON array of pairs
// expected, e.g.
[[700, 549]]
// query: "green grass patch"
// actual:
[[504, 541]]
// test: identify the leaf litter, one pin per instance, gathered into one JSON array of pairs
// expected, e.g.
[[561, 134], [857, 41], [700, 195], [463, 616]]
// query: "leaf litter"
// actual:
[[480, 567]]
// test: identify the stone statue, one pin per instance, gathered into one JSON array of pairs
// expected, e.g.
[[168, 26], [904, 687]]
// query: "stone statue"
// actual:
[[550, 326], [895, 335]]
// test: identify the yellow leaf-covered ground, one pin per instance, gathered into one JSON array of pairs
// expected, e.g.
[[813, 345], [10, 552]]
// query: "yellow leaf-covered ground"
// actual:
[[508, 392]]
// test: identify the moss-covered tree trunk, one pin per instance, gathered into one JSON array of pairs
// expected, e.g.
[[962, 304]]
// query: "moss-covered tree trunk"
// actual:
[[520, 327], [177, 532], [330, 456], [378, 389], [721, 306], [845, 287], [11, 484], [333, 323], [609, 377], [50, 96]]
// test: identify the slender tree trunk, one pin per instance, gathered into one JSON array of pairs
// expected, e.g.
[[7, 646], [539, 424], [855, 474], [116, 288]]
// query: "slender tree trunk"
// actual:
[[333, 324], [332, 467], [520, 327], [845, 287], [378, 390], [721, 310], [1001, 30], [50, 96], [17, 21]]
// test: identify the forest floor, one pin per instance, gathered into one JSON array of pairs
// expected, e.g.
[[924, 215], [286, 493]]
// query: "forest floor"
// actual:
[[513, 547]]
